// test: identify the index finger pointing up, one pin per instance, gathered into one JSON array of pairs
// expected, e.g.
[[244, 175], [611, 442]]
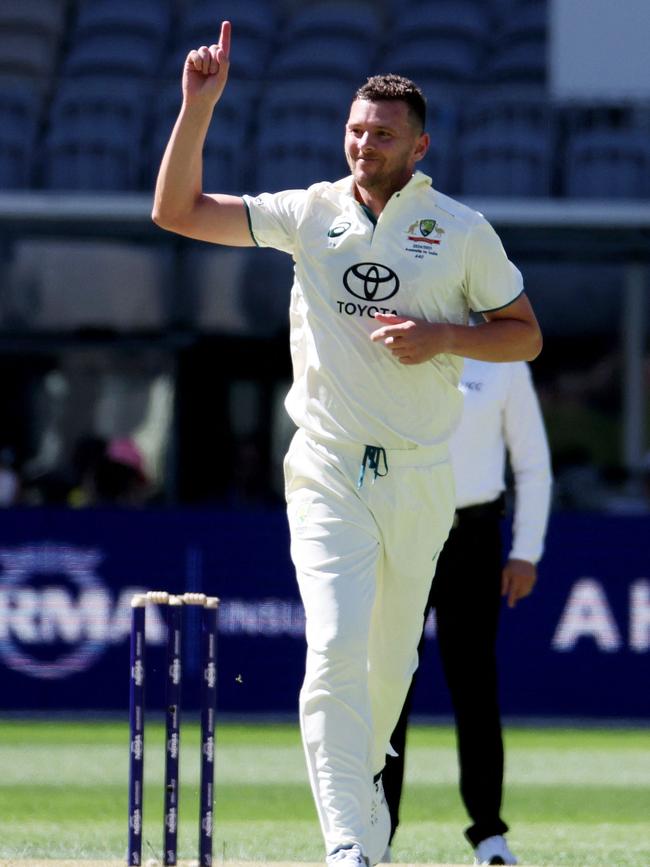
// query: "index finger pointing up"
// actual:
[[224, 38]]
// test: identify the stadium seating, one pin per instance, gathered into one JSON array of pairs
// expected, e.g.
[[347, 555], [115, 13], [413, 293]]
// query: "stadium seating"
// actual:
[[33, 17], [507, 143], [331, 39], [149, 19], [463, 20], [500, 9], [20, 109], [505, 165], [73, 164], [254, 28], [293, 155], [255, 18], [356, 21], [321, 57], [451, 63], [129, 54], [442, 125], [297, 141], [95, 135], [31, 34], [608, 163], [315, 99], [518, 63], [117, 37], [510, 109], [294, 64], [523, 20], [518, 52], [31, 56], [443, 40]]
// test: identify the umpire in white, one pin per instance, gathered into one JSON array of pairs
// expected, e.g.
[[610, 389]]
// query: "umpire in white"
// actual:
[[501, 413]]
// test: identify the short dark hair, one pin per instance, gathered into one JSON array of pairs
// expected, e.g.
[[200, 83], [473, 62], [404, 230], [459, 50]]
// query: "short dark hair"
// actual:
[[391, 87]]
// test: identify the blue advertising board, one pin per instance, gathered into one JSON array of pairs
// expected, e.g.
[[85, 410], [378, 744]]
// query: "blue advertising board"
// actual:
[[578, 647]]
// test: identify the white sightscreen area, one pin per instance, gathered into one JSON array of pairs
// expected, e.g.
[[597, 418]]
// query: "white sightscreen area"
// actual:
[[598, 50]]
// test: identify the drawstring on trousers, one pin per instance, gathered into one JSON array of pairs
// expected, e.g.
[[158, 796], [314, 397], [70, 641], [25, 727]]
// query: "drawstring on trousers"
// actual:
[[373, 456]]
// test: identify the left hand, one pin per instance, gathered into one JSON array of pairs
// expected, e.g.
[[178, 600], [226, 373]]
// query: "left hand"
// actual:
[[517, 580], [410, 341]]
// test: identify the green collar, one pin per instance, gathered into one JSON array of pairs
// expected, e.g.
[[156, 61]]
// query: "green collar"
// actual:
[[368, 213]]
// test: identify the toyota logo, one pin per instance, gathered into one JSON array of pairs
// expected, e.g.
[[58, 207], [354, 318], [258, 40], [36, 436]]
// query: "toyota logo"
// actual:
[[371, 281]]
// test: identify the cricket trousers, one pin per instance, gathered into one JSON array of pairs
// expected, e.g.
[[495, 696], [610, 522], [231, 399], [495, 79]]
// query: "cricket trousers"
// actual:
[[364, 548], [466, 597]]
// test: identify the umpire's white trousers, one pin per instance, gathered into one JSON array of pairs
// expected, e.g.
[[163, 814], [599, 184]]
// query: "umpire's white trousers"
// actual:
[[364, 559]]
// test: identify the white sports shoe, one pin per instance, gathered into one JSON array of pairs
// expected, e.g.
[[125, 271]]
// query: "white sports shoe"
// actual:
[[379, 824], [494, 850], [347, 856]]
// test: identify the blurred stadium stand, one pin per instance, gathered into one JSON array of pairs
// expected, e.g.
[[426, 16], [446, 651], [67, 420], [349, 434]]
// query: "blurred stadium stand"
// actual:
[[507, 144], [81, 79], [297, 144], [20, 112], [126, 55], [95, 135], [444, 40], [33, 17], [31, 35], [254, 32], [89, 92], [517, 53], [356, 22], [117, 37], [328, 39], [608, 163], [318, 56], [443, 118], [149, 19]]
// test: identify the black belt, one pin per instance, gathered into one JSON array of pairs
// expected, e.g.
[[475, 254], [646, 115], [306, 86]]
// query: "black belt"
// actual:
[[494, 509]]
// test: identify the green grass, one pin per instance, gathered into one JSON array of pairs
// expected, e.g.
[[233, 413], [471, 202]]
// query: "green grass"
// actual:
[[573, 797]]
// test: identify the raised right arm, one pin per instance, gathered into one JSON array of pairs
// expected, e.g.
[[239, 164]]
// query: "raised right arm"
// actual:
[[180, 205]]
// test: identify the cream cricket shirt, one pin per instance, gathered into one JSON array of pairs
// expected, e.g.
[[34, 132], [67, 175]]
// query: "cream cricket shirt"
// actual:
[[426, 256]]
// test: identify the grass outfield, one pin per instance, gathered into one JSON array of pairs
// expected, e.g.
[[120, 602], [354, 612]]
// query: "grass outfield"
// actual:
[[573, 797]]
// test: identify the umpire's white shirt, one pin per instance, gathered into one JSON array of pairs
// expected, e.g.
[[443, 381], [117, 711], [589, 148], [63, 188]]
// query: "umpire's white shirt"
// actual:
[[501, 412], [427, 256]]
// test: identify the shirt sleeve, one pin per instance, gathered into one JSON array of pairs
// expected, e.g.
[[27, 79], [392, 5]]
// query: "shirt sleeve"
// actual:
[[274, 218], [530, 461], [492, 280]]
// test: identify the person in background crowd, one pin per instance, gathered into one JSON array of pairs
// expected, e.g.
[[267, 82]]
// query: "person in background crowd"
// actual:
[[110, 473]]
